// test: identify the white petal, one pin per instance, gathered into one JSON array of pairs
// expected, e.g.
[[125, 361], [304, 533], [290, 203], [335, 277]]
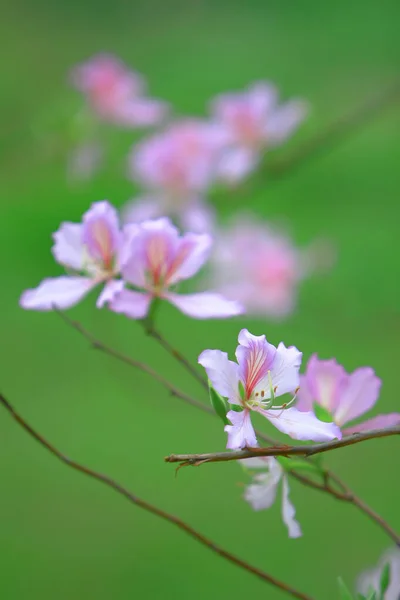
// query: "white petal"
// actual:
[[261, 493], [205, 305], [134, 305], [68, 246], [222, 372], [60, 292], [241, 433], [288, 512], [285, 369], [110, 290], [301, 425]]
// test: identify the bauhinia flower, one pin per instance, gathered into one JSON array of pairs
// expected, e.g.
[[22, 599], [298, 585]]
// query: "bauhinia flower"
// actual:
[[261, 493], [259, 267], [157, 258], [370, 580], [253, 121], [262, 372], [91, 252], [115, 93], [342, 395]]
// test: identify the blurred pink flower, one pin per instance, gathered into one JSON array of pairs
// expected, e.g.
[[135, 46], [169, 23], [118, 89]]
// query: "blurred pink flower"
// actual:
[[371, 579], [94, 248], [259, 267], [261, 493], [156, 259], [115, 93], [179, 162], [253, 121], [345, 396], [261, 373]]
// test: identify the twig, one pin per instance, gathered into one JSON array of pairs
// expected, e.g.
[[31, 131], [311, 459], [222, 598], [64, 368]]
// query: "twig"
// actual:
[[336, 131], [98, 345], [305, 451], [325, 487], [151, 508]]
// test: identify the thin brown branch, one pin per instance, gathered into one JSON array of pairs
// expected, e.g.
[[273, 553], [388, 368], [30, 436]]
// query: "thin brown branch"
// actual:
[[305, 451], [108, 481], [98, 345], [336, 131]]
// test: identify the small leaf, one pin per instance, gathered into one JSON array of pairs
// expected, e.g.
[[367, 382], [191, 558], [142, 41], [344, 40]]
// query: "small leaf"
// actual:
[[322, 413], [385, 579], [298, 465], [345, 594], [219, 404]]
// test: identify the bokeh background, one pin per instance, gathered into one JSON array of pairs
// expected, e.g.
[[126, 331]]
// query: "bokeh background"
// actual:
[[63, 536]]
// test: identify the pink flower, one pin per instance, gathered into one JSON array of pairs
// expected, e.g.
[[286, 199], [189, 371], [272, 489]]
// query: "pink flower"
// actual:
[[253, 121], [263, 372], [259, 267], [179, 162], [371, 579], [91, 250], [345, 396], [261, 493], [116, 94], [157, 258]]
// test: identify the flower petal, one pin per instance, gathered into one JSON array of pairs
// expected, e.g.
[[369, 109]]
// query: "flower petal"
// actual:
[[289, 511], [192, 252], [205, 305], [360, 395], [110, 290], [142, 209], [197, 216], [60, 292], [68, 247], [285, 369], [241, 433], [222, 372], [141, 112], [301, 425], [378, 422], [255, 357], [236, 163], [284, 120], [100, 233], [261, 493], [132, 304], [323, 383]]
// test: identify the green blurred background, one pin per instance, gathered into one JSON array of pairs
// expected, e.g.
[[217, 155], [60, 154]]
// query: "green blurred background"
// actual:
[[64, 536]]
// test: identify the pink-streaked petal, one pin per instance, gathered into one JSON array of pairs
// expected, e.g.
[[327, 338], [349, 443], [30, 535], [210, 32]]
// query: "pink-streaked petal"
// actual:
[[255, 357], [378, 422], [325, 381], [289, 512], [284, 121], [132, 304], [236, 163], [261, 494], [68, 246], [241, 433], [285, 369], [222, 372], [60, 292], [301, 425], [192, 252], [359, 396], [101, 234], [110, 290], [205, 305]]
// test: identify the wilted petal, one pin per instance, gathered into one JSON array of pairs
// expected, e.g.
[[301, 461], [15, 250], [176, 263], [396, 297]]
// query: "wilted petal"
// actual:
[[68, 246], [241, 433], [379, 422], [359, 396], [288, 512], [110, 290], [132, 304], [192, 252], [261, 493], [285, 369], [60, 292], [301, 425], [100, 233], [222, 372], [205, 305]]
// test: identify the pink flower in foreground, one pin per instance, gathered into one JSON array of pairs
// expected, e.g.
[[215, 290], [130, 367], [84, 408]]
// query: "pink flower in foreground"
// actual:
[[345, 396], [261, 493], [156, 259], [91, 252], [371, 579], [253, 121], [263, 372], [259, 267], [115, 93]]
